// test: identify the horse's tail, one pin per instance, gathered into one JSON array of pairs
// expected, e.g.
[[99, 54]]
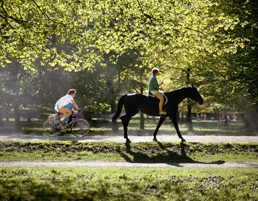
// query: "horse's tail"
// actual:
[[119, 108]]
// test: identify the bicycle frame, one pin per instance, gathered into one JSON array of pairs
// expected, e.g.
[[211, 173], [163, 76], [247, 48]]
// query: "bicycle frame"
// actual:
[[78, 126], [64, 128]]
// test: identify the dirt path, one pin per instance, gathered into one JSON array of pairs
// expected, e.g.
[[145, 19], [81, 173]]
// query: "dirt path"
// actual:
[[126, 164]]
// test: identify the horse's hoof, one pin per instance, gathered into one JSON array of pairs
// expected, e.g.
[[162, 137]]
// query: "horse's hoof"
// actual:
[[155, 139], [128, 141], [183, 140]]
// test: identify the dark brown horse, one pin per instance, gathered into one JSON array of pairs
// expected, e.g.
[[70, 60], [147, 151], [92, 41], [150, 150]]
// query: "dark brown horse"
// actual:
[[134, 103]]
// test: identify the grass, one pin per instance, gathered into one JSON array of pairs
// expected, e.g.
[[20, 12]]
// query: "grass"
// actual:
[[114, 183], [128, 184], [148, 152], [101, 126]]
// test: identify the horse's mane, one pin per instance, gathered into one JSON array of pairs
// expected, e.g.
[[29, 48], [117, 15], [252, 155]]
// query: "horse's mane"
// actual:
[[174, 90]]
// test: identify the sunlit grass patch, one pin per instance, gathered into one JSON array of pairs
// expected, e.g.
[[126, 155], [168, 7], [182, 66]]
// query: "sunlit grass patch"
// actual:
[[128, 184]]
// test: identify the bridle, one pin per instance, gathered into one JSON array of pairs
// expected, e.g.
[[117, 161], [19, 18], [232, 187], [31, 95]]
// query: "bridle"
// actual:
[[191, 102]]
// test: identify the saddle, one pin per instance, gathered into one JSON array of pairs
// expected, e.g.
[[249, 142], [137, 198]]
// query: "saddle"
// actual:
[[165, 97]]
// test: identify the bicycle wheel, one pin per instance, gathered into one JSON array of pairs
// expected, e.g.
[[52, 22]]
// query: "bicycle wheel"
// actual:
[[51, 128], [80, 127]]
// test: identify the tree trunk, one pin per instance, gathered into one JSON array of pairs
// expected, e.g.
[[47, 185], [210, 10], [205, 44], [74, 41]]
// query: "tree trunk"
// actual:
[[55, 75], [251, 118], [189, 106], [1, 117], [29, 115], [141, 115], [86, 115], [113, 110], [7, 117], [226, 119], [189, 116], [17, 118], [141, 120]]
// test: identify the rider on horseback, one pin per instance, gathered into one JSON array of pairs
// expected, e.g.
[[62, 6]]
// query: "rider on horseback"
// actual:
[[153, 87]]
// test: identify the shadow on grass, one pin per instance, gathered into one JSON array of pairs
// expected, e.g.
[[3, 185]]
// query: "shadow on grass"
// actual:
[[53, 188], [169, 157]]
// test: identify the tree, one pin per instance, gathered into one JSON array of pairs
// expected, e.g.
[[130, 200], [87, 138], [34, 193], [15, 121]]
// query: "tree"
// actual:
[[237, 70], [157, 29], [16, 91]]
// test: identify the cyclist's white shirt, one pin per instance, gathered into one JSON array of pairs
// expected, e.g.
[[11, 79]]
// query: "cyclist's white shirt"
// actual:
[[63, 101]]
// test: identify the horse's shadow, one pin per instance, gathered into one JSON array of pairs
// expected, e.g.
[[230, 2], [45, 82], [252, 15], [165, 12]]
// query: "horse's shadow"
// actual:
[[170, 158]]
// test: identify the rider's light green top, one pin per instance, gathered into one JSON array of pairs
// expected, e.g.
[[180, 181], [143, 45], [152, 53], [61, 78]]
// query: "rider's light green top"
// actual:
[[153, 84]]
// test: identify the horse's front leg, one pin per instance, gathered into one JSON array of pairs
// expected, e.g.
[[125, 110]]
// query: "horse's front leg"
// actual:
[[161, 120], [174, 120]]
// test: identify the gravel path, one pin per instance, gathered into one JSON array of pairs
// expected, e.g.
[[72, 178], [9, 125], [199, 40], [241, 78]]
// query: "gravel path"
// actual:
[[127, 164], [161, 138]]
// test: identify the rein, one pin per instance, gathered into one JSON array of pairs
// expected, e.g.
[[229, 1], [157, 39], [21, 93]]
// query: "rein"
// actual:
[[191, 103]]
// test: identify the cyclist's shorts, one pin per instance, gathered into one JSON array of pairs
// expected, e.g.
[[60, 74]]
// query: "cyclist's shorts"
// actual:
[[69, 106]]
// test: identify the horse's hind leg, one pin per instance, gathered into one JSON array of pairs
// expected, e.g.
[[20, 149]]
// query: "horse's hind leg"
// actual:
[[161, 120], [125, 120]]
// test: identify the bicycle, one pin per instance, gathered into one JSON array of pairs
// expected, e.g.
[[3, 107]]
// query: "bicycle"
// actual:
[[78, 126]]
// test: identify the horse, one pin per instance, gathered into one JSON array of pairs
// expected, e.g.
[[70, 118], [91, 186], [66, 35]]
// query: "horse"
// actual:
[[133, 103]]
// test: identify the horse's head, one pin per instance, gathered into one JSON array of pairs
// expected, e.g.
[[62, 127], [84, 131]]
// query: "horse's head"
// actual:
[[195, 95]]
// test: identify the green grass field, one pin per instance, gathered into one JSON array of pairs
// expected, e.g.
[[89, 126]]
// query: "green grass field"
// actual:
[[128, 184], [124, 183]]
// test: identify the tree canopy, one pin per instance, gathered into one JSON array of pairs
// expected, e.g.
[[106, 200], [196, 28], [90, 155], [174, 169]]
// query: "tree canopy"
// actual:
[[216, 40], [75, 34]]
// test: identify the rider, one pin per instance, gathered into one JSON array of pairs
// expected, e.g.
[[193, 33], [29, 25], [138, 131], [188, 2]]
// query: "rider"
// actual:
[[153, 87], [66, 104]]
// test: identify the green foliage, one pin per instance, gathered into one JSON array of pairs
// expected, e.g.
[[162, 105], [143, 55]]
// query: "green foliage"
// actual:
[[217, 40], [157, 29], [229, 77]]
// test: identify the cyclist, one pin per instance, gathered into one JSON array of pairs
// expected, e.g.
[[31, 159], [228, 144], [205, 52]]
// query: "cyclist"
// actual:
[[66, 104]]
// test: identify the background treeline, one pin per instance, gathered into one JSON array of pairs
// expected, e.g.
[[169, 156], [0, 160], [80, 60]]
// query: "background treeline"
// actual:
[[107, 48]]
